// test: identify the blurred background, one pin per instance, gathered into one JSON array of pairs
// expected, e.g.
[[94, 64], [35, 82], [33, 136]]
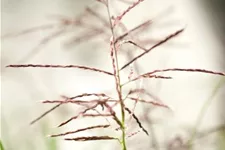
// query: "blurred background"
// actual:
[[197, 100]]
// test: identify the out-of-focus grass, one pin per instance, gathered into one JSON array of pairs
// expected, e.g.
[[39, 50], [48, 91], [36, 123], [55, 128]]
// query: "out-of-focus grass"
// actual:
[[221, 140], [50, 143], [221, 134], [1, 145], [5, 136], [204, 109], [27, 143]]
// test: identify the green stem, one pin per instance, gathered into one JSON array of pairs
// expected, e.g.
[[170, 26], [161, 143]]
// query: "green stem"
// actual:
[[123, 123], [118, 85]]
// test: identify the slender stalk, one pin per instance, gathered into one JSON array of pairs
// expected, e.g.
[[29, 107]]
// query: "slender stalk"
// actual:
[[203, 111], [118, 84], [1, 145]]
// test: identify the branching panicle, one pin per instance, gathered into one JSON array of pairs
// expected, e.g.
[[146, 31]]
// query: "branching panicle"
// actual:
[[118, 18], [137, 120], [58, 66], [107, 103], [91, 138], [79, 130]]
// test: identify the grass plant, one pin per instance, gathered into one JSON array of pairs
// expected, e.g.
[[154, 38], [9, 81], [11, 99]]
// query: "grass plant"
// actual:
[[109, 31]]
